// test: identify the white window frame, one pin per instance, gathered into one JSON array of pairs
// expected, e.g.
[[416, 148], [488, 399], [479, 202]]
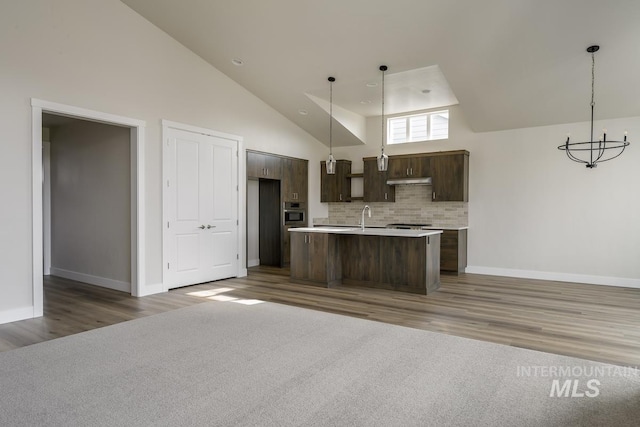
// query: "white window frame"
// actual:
[[407, 119]]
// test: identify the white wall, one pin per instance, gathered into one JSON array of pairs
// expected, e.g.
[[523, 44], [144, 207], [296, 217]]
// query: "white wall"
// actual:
[[100, 55], [91, 203], [534, 213]]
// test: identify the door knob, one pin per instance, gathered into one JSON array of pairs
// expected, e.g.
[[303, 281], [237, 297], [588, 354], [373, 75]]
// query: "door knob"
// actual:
[[202, 227], [210, 226]]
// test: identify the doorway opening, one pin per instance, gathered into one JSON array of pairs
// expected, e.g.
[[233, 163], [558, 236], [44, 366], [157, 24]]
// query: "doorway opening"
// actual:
[[87, 201], [135, 128]]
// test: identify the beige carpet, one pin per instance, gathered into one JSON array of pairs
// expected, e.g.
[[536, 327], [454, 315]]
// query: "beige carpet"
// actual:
[[227, 364]]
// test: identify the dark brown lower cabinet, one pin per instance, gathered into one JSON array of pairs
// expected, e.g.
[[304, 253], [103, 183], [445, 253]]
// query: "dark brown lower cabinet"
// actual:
[[408, 264], [315, 258], [453, 251]]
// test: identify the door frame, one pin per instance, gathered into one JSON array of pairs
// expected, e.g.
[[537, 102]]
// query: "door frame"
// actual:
[[242, 191], [137, 145]]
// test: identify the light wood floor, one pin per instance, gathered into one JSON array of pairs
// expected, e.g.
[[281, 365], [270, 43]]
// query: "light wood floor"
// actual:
[[599, 323]]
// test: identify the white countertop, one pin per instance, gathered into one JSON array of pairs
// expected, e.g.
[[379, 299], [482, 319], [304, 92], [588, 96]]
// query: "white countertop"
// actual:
[[431, 227], [367, 231]]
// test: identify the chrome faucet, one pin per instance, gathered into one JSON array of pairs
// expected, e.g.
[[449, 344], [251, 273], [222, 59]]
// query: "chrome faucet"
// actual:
[[366, 208]]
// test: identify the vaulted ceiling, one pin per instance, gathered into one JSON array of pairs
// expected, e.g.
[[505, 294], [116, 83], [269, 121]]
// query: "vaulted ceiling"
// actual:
[[508, 63]]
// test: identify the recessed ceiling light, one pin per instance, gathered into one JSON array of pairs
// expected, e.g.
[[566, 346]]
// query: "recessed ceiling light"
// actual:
[[303, 112], [365, 102], [372, 84], [237, 62], [425, 90]]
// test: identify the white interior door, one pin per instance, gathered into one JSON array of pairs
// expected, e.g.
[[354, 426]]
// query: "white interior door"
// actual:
[[201, 208]]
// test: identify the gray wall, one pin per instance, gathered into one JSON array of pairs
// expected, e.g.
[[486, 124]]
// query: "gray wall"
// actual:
[[91, 201]]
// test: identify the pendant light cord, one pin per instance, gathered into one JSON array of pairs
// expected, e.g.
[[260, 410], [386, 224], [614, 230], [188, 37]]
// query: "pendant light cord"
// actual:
[[382, 139], [331, 80], [593, 102]]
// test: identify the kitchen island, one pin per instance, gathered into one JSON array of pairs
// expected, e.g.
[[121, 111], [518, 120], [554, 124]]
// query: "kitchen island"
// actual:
[[401, 260]]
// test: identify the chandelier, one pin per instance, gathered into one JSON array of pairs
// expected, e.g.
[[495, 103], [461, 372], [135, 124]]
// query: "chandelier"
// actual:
[[593, 152]]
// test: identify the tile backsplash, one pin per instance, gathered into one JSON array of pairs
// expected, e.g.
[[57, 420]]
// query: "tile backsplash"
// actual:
[[413, 205]]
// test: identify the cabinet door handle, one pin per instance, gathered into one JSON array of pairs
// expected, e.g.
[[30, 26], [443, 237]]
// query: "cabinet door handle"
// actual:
[[385, 196], [433, 196], [340, 197], [305, 238], [210, 226], [411, 171], [202, 227], [407, 171]]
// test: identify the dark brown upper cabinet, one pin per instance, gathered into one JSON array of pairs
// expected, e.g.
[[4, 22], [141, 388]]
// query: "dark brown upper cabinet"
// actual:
[[449, 172], [295, 178], [450, 176], [409, 166], [337, 187], [263, 165], [375, 184]]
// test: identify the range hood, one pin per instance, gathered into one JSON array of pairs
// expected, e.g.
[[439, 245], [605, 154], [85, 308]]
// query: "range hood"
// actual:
[[414, 181]]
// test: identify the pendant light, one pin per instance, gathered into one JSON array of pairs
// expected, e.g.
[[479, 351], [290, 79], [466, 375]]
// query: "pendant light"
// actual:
[[383, 159], [331, 161], [591, 152]]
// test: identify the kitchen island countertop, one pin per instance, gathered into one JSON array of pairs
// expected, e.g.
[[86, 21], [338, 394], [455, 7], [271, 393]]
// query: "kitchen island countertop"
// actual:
[[368, 231], [430, 227]]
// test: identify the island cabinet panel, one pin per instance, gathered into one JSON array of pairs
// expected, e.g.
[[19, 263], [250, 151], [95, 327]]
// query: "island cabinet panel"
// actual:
[[299, 267], [375, 184], [263, 165], [360, 258], [336, 187], [395, 263], [295, 179], [450, 175], [315, 258], [403, 263]]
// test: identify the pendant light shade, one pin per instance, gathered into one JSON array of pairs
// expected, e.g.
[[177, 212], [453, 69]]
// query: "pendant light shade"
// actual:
[[383, 159], [331, 161]]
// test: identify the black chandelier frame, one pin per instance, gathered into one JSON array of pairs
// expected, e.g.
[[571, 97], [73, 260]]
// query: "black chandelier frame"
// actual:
[[599, 151]]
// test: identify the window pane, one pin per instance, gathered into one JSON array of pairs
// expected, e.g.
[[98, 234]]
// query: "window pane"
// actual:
[[440, 125], [418, 128], [397, 130]]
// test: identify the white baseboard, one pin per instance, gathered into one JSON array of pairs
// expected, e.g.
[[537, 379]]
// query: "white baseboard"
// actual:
[[16, 314], [559, 277], [253, 262], [242, 272], [92, 280]]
